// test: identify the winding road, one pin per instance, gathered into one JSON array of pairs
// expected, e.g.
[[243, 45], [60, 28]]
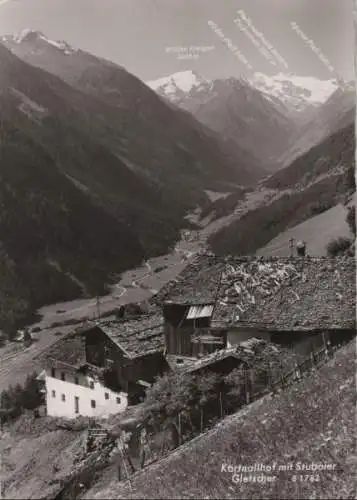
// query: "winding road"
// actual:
[[17, 362]]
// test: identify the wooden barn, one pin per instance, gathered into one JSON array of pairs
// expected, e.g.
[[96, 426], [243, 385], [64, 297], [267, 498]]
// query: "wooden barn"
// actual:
[[188, 310], [129, 354], [218, 303], [103, 367], [188, 330]]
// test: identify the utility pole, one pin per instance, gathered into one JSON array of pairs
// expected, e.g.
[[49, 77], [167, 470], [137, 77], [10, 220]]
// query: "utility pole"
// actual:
[[98, 307]]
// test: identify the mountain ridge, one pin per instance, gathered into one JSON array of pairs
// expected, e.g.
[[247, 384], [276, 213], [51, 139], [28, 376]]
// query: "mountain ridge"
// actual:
[[84, 199], [113, 85]]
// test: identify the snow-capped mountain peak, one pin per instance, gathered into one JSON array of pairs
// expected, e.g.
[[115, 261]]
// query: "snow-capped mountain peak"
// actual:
[[29, 36], [178, 83], [294, 92], [298, 91]]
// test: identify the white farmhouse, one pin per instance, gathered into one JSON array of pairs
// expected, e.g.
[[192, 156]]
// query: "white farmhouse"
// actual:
[[103, 367], [72, 388]]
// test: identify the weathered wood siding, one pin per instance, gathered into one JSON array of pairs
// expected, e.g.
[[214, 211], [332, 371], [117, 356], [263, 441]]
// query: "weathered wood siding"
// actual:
[[145, 367], [179, 331]]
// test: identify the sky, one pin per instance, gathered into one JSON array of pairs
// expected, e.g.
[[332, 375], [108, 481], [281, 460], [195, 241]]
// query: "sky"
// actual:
[[145, 36]]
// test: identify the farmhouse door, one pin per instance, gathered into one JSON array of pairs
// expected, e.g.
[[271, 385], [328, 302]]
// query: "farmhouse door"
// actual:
[[76, 404]]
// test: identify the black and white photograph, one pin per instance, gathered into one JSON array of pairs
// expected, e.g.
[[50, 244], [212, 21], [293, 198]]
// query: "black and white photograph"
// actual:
[[177, 249]]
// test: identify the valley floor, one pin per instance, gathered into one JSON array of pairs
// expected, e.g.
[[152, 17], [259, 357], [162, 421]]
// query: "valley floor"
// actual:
[[140, 284]]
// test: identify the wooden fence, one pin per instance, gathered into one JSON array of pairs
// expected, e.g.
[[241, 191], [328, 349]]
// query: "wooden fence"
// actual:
[[314, 360], [265, 384], [149, 454]]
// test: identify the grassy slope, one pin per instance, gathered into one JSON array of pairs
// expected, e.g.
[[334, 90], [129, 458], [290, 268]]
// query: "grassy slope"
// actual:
[[259, 226], [312, 421], [316, 231], [30, 448]]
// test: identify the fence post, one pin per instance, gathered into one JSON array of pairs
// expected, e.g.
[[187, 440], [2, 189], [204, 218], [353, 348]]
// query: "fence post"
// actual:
[[221, 403]]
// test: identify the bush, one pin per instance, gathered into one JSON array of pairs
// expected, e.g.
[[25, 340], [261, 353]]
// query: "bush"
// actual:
[[159, 269], [338, 246], [20, 398]]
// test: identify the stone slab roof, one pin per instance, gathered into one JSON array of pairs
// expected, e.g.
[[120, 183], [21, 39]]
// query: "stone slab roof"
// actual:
[[67, 352], [136, 337], [197, 284], [276, 292]]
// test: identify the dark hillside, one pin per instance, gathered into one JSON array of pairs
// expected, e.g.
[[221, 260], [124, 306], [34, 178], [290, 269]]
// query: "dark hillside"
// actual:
[[53, 236], [335, 151], [91, 187], [136, 123]]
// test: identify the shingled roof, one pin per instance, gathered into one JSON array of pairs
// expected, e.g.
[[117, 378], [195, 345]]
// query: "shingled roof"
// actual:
[[196, 284], [323, 297], [275, 292], [136, 337], [67, 352]]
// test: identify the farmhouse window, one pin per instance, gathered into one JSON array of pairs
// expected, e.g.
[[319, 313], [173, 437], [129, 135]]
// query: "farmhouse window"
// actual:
[[63, 376], [106, 395], [118, 400], [76, 381], [91, 384], [53, 394], [53, 373], [92, 403], [63, 397], [196, 312]]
